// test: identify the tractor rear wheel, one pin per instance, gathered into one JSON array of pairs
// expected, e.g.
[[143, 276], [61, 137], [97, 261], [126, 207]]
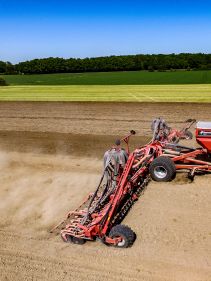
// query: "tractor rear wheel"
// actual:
[[162, 169], [127, 235]]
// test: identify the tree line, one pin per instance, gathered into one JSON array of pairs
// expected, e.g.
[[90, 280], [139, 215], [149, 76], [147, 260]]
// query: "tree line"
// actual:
[[160, 62]]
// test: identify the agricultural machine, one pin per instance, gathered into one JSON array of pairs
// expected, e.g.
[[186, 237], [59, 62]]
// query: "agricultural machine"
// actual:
[[161, 131], [124, 179]]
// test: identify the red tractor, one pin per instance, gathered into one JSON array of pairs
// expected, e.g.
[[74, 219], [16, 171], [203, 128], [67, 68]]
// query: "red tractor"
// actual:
[[123, 181]]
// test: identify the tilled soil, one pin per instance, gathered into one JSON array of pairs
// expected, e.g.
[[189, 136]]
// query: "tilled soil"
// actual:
[[95, 118], [49, 164]]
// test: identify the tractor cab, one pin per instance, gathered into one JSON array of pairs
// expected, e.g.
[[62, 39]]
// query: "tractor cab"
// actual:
[[203, 134]]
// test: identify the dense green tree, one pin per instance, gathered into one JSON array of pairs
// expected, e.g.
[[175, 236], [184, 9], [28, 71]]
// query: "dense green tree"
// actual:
[[159, 62], [10, 68], [2, 67]]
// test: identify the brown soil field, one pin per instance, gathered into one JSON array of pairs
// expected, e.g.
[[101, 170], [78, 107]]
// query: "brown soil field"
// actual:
[[51, 158]]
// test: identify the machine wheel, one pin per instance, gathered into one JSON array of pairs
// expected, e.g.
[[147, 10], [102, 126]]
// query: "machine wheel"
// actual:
[[79, 241], [126, 233], [162, 169], [69, 239], [74, 240], [188, 135]]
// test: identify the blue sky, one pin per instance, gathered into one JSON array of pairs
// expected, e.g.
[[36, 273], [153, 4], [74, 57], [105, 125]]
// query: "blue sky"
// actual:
[[36, 29]]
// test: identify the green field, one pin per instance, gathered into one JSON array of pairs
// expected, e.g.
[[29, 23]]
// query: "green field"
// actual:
[[138, 86], [130, 93], [113, 78]]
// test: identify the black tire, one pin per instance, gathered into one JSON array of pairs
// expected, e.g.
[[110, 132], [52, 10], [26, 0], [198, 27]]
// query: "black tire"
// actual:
[[162, 169], [79, 241], [188, 135], [68, 237], [128, 236], [74, 240]]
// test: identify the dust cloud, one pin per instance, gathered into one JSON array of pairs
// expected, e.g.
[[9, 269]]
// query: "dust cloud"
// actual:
[[37, 190]]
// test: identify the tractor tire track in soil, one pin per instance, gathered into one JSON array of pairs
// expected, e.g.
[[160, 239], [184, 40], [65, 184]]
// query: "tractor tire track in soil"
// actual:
[[48, 166]]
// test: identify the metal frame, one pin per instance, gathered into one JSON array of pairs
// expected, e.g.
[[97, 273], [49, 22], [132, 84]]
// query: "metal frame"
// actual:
[[109, 204]]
